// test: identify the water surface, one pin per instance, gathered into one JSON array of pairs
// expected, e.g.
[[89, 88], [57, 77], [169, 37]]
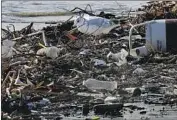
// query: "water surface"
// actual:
[[45, 11]]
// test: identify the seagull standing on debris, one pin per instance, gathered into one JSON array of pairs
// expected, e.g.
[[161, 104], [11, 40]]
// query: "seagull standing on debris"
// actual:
[[93, 25]]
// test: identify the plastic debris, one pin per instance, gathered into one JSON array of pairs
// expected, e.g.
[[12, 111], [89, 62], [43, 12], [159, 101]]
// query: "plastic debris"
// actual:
[[100, 63], [120, 57], [111, 100], [89, 73], [139, 51], [7, 50], [156, 41], [85, 52], [94, 84], [91, 94], [44, 101], [52, 52]]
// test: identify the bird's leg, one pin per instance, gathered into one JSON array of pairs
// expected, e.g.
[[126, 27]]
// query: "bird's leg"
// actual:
[[95, 40], [100, 38]]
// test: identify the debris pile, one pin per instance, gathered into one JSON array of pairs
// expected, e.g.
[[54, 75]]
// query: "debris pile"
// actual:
[[157, 10], [61, 72]]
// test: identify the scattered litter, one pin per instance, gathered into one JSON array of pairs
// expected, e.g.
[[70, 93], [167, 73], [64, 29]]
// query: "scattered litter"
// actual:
[[7, 50], [111, 100], [44, 101], [91, 94], [84, 52], [62, 71], [100, 63], [119, 58], [52, 52], [156, 41]]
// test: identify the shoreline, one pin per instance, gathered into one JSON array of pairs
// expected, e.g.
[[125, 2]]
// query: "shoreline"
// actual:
[[52, 77]]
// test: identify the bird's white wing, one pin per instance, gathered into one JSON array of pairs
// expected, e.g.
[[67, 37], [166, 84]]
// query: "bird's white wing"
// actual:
[[98, 21], [95, 25], [105, 25]]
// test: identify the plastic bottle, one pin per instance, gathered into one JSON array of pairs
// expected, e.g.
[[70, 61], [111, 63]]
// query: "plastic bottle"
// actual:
[[161, 35], [94, 84]]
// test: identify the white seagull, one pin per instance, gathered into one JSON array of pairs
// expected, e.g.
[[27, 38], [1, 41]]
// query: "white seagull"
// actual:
[[93, 25]]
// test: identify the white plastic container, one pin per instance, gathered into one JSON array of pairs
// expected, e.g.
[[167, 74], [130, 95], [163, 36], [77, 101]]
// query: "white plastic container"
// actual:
[[139, 51], [160, 34]]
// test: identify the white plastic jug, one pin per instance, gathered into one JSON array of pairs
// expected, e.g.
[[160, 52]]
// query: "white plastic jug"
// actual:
[[160, 34]]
